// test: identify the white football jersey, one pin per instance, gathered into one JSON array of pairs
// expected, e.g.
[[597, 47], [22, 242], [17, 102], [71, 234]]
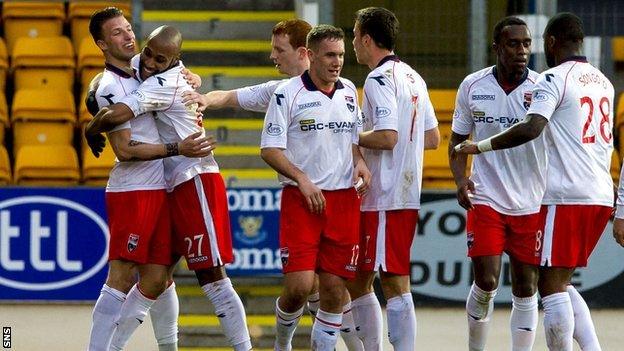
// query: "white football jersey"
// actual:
[[511, 181], [396, 98], [160, 95], [257, 97], [317, 130], [137, 175], [577, 100]]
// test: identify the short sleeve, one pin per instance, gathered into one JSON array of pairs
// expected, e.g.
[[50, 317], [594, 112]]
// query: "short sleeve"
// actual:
[[380, 95], [102, 97], [546, 95], [154, 94], [257, 97], [276, 121], [462, 116]]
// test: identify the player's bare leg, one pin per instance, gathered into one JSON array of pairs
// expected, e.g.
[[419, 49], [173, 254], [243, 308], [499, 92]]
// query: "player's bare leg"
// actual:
[[480, 302], [228, 306], [314, 301], [164, 315], [121, 277], [584, 330], [558, 313], [329, 317], [289, 306], [366, 310], [524, 312], [400, 311]]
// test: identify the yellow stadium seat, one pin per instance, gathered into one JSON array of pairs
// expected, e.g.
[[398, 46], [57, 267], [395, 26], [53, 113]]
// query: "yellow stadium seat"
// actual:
[[95, 171], [43, 63], [615, 167], [5, 166], [617, 49], [79, 13], [47, 165], [32, 19], [87, 75], [41, 133], [618, 120], [436, 170], [443, 102], [4, 65], [4, 117], [43, 105], [89, 55]]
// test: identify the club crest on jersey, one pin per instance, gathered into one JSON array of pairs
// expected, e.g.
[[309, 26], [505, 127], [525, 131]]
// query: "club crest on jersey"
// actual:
[[351, 107], [527, 100], [133, 242], [284, 256], [349, 99], [470, 240], [274, 129]]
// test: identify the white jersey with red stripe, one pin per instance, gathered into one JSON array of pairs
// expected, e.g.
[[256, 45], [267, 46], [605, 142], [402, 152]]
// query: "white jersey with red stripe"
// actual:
[[396, 98], [160, 94], [577, 100], [511, 181], [315, 129], [130, 176], [257, 97]]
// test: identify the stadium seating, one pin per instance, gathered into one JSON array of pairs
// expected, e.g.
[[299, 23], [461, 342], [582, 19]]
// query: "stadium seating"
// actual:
[[5, 166], [616, 161], [436, 171], [89, 55], [443, 101], [95, 170], [43, 63], [619, 122], [4, 117], [55, 165], [617, 49], [31, 19], [79, 13], [4, 65]]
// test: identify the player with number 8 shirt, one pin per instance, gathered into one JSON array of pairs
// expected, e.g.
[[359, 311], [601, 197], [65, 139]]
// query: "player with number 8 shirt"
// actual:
[[575, 100]]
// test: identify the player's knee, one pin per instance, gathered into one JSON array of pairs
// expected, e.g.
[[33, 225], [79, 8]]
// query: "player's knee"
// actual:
[[525, 288], [121, 278], [295, 295], [153, 286], [487, 282]]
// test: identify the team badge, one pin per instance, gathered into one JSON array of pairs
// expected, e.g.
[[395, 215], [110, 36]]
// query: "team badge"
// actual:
[[350, 99], [133, 242], [527, 99], [284, 256], [470, 240], [350, 103]]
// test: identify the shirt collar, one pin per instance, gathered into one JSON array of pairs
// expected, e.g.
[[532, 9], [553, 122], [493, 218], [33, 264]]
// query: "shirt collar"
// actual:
[[510, 88], [310, 86], [120, 72], [575, 58], [392, 57]]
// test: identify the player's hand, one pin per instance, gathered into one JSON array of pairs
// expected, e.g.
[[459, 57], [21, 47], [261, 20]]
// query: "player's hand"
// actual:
[[193, 79], [361, 177], [313, 195], [195, 145], [618, 231], [96, 143], [192, 97], [467, 147], [465, 189]]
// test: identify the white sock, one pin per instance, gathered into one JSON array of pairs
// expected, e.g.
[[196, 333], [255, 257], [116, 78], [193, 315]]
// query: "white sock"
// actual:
[[229, 308], [314, 302], [584, 331], [325, 331], [479, 307], [105, 313], [368, 321], [164, 316], [523, 322], [285, 326], [347, 331], [558, 321], [402, 322], [133, 313]]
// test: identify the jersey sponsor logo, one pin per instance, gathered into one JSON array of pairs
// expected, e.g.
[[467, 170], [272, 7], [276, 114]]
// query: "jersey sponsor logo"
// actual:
[[540, 96], [139, 95], [42, 241], [274, 129], [527, 99], [250, 231], [133, 242], [483, 97], [381, 112], [308, 105], [256, 259], [478, 113], [335, 126], [505, 121], [279, 98]]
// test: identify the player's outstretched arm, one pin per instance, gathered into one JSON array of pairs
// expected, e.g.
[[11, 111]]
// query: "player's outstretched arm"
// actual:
[[213, 100], [432, 138], [275, 158], [108, 118], [530, 128], [458, 163], [384, 139], [127, 149]]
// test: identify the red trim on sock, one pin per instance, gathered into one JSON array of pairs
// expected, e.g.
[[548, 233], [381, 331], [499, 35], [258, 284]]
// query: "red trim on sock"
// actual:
[[335, 325]]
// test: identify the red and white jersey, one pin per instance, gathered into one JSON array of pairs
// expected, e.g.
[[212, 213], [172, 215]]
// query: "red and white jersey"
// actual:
[[130, 176], [577, 100], [511, 181], [160, 94], [396, 98], [317, 130], [257, 97]]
